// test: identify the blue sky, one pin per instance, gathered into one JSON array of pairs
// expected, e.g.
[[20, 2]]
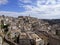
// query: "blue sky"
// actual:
[[12, 5], [46, 9]]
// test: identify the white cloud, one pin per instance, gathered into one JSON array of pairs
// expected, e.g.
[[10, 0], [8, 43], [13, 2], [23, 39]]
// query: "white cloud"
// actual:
[[25, 1], [42, 15], [14, 14], [51, 2], [3, 2], [41, 9], [44, 8]]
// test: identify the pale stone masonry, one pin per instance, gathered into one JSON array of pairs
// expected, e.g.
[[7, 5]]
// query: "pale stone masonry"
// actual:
[[1, 40], [26, 30]]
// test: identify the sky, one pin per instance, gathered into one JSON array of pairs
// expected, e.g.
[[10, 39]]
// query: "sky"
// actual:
[[43, 9]]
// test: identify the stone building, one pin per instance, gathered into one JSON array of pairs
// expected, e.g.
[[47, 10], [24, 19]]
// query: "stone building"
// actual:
[[1, 40]]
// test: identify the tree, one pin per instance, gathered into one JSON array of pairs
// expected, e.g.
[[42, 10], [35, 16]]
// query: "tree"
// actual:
[[2, 24], [5, 27]]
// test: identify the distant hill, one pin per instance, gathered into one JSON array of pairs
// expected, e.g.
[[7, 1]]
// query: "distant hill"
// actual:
[[53, 21]]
